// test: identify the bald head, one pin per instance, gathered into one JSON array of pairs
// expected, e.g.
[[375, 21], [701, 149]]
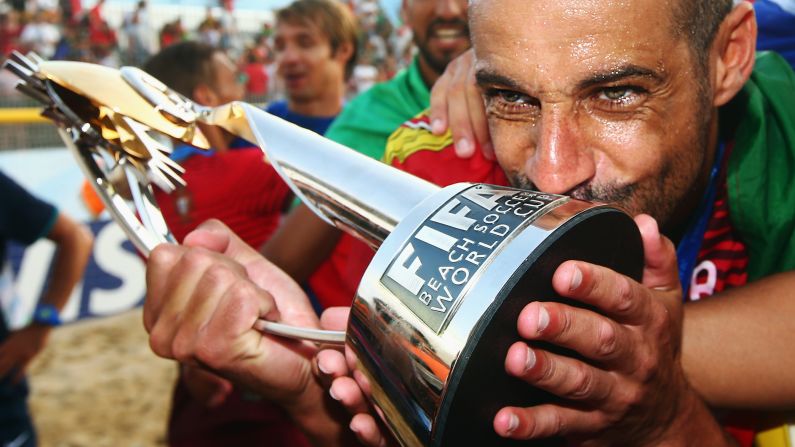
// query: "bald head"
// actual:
[[696, 21]]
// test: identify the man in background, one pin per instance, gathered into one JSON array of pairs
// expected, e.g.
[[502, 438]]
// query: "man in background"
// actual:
[[315, 46], [26, 219], [307, 248]]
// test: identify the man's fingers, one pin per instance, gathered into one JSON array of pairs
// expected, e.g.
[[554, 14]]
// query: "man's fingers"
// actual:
[[345, 391], [611, 293], [198, 312], [330, 365], [588, 333], [367, 431], [175, 296], [438, 109], [459, 119], [562, 376], [335, 318], [544, 421], [158, 273], [661, 270], [215, 236], [477, 115]]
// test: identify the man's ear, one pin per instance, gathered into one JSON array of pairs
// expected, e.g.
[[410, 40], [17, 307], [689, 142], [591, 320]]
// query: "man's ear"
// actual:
[[735, 45], [344, 52], [204, 95]]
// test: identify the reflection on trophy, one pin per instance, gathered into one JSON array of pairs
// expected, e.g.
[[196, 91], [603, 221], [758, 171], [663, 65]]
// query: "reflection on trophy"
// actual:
[[436, 309]]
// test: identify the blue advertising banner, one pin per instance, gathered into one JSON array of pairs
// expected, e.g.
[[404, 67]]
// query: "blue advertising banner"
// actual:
[[113, 281]]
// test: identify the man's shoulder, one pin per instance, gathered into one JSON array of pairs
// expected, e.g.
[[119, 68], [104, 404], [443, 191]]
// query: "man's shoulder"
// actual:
[[381, 96], [368, 119]]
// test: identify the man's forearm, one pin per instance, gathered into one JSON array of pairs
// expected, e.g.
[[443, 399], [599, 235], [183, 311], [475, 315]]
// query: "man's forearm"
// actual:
[[73, 248], [736, 349]]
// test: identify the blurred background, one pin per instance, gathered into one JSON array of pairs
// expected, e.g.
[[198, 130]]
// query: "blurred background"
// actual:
[[97, 383]]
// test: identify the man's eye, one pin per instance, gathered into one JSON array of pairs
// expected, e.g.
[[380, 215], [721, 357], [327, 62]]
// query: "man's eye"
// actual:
[[510, 104], [615, 94], [620, 97], [512, 97]]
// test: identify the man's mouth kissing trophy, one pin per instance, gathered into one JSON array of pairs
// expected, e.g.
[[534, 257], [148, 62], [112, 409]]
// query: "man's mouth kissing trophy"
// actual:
[[436, 310]]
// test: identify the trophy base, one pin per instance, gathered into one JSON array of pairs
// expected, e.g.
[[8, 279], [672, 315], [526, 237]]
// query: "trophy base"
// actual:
[[478, 385]]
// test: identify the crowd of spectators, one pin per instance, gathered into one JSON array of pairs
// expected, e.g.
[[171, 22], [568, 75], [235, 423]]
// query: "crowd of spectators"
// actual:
[[64, 30]]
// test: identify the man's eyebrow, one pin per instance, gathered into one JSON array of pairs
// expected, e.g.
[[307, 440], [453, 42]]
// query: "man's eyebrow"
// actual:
[[618, 74], [484, 76]]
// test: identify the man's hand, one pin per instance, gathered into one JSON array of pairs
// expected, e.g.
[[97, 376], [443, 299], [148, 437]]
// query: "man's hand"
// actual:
[[203, 299], [456, 103], [211, 390], [349, 386], [20, 348], [630, 389]]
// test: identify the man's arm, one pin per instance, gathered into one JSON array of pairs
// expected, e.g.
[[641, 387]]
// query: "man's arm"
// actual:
[[203, 299], [73, 242], [737, 347], [73, 247], [302, 242]]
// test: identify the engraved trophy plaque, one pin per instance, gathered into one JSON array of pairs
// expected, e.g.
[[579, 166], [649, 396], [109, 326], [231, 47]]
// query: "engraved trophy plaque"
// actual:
[[435, 311]]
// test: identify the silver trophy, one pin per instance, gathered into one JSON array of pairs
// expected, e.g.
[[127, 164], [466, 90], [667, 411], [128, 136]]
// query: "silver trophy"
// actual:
[[436, 310]]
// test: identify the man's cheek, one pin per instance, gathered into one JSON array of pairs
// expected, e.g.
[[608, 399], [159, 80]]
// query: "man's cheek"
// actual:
[[513, 145]]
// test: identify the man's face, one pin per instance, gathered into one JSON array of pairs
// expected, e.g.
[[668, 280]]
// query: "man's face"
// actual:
[[596, 99], [305, 61], [440, 29], [227, 86]]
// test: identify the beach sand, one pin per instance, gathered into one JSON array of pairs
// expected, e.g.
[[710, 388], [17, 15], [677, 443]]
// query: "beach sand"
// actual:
[[98, 384]]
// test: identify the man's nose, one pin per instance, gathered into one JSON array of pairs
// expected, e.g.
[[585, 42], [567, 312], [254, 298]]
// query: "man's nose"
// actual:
[[289, 54], [560, 161]]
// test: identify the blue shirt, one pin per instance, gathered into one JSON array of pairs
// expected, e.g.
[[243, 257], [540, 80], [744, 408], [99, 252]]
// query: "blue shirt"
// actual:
[[317, 124]]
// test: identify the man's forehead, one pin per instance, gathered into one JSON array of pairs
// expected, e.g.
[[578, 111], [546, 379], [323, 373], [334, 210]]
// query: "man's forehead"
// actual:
[[297, 27], [565, 42], [617, 19]]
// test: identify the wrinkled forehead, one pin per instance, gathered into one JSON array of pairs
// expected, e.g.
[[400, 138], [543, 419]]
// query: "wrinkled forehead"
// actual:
[[573, 37]]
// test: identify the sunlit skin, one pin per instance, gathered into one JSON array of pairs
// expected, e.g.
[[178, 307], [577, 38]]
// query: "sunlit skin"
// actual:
[[440, 33], [612, 115], [312, 72]]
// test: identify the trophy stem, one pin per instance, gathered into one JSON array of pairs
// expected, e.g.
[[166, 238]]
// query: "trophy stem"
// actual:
[[351, 191]]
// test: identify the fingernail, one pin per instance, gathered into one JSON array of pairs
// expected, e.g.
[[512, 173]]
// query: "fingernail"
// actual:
[[463, 147], [353, 427], [530, 361], [331, 393], [543, 319], [576, 279], [321, 368], [437, 126], [513, 423]]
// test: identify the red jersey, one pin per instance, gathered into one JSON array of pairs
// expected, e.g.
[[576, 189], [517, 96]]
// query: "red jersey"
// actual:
[[722, 260], [236, 187]]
